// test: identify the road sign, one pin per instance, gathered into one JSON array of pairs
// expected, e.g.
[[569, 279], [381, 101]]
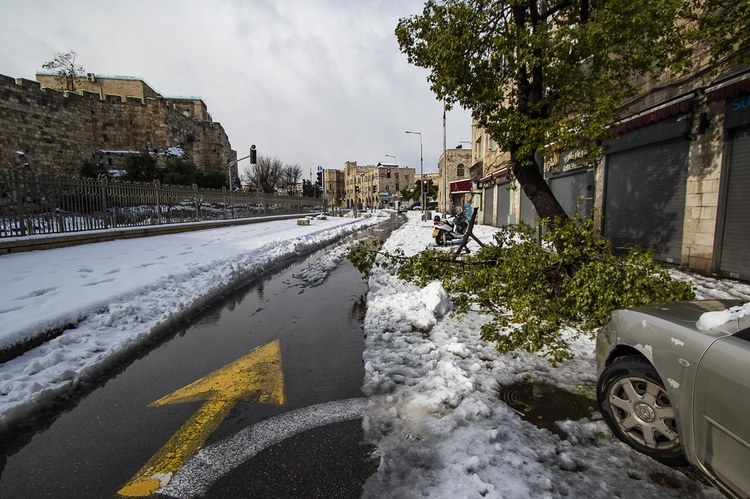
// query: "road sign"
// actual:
[[320, 168]]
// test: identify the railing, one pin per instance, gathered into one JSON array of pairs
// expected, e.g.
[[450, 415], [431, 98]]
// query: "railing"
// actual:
[[36, 204]]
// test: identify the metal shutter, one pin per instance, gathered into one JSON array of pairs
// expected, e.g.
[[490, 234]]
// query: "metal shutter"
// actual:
[[489, 196], [503, 202], [735, 240], [574, 190], [644, 200], [527, 209]]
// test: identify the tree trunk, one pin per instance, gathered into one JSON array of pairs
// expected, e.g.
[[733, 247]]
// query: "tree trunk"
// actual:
[[538, 191]]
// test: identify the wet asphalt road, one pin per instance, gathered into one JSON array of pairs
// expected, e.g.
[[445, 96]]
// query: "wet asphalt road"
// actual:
[[93, 444]]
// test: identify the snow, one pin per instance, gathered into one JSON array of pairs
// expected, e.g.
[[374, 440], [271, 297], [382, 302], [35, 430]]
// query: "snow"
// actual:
[[710, 320], [431, 384], [111, 297]]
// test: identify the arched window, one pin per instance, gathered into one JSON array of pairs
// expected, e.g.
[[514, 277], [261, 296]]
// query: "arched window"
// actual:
[[460, 170]]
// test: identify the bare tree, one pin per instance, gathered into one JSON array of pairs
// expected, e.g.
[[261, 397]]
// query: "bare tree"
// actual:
[[66, 68], [265, 175], [291, 174]]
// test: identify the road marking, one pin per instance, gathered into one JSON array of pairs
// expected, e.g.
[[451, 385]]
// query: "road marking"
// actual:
[[211, 463], [256, 376]]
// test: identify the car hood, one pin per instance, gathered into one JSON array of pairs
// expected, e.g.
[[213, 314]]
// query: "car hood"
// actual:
[[687, 313]]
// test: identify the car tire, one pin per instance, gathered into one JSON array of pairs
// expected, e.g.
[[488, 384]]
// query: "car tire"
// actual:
[[637, 408]]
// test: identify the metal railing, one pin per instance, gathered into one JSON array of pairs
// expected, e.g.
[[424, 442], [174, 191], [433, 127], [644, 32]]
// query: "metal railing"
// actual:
[[36, 204]]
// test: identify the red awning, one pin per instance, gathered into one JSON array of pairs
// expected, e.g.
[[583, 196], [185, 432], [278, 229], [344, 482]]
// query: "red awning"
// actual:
[[728, 89], [498, 174], [460, 186], [672, 108]]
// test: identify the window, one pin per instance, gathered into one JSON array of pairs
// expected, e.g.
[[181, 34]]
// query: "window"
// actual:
[[460, 170]]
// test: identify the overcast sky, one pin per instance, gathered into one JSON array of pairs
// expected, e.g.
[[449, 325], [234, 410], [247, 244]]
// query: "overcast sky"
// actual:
[[312, 82]]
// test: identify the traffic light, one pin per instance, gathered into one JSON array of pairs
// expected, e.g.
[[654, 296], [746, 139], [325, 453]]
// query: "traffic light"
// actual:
[[320, 179], [388, 174], [253, 155], [424, 182], [356, 188]]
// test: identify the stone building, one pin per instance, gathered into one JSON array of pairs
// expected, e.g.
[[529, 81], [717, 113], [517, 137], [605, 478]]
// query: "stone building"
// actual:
[[333, 186], [454, 182], [675, 180], [57, 131], [379, 185]]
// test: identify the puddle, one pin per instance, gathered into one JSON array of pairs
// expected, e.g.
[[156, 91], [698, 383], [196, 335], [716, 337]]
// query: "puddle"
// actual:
[[542, 404]]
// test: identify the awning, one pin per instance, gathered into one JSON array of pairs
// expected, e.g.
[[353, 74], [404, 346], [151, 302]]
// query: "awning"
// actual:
[[460, 186], [728, 89], [497, 174], [674, 107]]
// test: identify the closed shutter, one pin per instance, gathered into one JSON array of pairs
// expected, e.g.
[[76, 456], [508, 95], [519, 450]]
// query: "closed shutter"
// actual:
[[503, 201], [735, 240], [644, 200], [489, 196], [527, 209], [574, 191]]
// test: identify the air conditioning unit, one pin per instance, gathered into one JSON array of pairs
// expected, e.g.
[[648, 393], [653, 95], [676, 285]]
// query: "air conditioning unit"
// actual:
[[90, 76]]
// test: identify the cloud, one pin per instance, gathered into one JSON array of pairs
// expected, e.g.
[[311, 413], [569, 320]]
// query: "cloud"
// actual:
[[312, 83]]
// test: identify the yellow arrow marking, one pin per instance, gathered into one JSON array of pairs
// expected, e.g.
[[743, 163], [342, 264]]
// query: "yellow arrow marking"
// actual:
[[256, 376]]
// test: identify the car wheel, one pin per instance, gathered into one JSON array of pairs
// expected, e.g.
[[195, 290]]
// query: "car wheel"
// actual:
[[638, 410]]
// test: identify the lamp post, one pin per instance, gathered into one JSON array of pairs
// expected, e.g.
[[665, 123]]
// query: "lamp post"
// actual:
[[362, 191], [391, 156], [421, 171]]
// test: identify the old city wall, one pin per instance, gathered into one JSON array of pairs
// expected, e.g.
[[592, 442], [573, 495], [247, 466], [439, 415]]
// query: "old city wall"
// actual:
[[58, 131]]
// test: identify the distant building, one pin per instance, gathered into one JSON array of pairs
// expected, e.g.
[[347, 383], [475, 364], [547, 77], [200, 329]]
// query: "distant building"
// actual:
[[379, 185]]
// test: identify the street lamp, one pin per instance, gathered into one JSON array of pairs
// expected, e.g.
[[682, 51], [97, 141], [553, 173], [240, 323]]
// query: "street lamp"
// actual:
[[391, 156], [421, 171]]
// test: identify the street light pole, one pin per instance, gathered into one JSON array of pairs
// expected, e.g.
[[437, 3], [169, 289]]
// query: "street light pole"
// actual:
[[421, 171], [392, 156], [445, 167]]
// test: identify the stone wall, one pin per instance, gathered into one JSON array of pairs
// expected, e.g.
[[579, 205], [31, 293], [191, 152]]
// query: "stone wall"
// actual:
[[57, 131]]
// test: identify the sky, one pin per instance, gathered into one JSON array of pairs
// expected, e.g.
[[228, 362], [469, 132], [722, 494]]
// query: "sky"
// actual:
[[313, 83], [430, 392]]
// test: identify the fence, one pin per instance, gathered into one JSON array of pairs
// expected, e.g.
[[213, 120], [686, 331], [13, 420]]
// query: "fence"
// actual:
[[36, 204]]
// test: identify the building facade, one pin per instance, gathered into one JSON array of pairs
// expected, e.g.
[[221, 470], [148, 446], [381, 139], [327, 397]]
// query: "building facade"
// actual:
[[376, 186], [674, 179], [454, 180]]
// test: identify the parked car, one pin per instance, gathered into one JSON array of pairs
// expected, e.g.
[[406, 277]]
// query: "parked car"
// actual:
[[676, 390]]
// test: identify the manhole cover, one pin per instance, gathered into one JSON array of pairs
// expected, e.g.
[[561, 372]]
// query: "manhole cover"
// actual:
[[543, 404]]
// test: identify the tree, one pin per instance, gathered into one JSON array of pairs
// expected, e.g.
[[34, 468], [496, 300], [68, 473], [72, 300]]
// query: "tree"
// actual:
[[543, 74], [66, 68], [308, 190], [140, 167], [93, 170], [290, 175], [178, 172], [212, 178], [724, 25], [265, 175]]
